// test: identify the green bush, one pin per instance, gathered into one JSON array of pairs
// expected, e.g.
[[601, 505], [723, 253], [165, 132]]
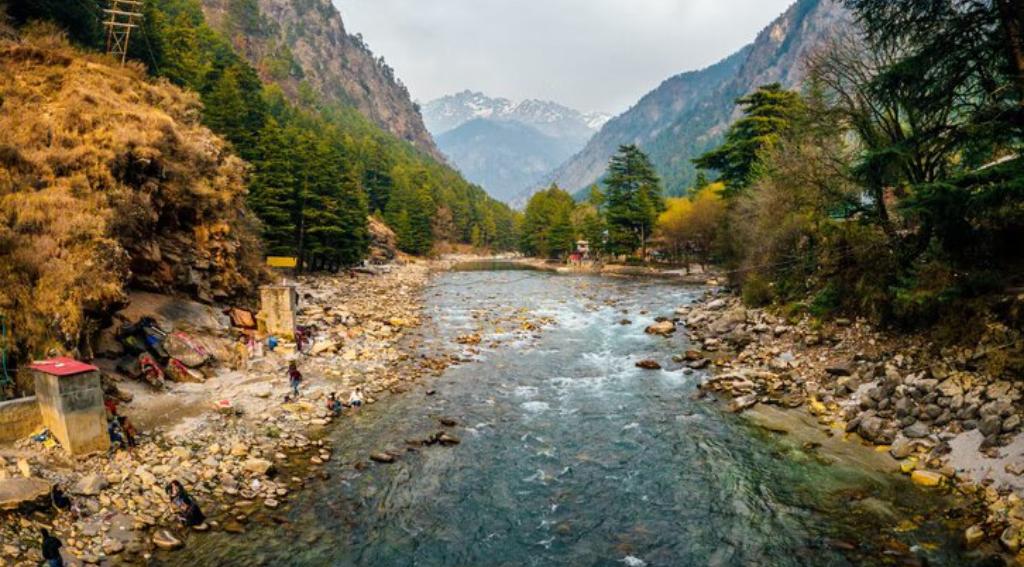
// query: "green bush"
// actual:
[[757, 291]]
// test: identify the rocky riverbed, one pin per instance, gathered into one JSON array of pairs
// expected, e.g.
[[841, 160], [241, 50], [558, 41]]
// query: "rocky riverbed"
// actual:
[[240, 450], [951, 417]]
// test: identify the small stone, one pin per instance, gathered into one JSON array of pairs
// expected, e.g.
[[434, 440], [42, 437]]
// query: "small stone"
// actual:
[[918, 430], [1010, 538], [271, 503], [448, 440], [838, 370], [648, 365], [164, 539], [973, 536], [926, 478], [234, 527], [381, 457]]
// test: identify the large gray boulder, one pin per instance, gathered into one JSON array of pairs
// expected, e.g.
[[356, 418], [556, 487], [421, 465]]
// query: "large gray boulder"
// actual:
[[14, 492]]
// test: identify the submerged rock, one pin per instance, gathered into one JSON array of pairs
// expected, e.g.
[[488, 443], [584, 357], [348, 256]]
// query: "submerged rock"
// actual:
[[661, 328], [648, 364], [382, 457], [164, 539]]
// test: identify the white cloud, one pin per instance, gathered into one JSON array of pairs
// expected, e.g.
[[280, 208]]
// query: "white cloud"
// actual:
[[590, 54]]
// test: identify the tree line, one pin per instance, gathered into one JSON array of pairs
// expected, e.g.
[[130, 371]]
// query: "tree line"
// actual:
[[618, 220]]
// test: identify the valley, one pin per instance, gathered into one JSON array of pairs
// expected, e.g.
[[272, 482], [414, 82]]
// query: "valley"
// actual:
[[272, 296]]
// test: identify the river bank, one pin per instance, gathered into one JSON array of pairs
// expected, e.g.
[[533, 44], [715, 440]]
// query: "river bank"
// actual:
[[232, 440], [950, 419]]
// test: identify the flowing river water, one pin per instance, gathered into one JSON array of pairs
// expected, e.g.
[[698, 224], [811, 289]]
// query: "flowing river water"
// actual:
[[571, 455]]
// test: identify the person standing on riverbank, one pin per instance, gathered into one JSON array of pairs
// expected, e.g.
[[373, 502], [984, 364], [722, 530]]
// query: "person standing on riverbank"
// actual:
[[294, 378], [51, 549]]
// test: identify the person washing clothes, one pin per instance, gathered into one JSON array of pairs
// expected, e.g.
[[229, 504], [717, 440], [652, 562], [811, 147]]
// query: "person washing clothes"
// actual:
[[355, 399]]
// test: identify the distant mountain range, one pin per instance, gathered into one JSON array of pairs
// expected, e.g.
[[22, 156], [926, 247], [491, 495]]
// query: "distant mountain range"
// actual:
[[689, 113], [506, 146]]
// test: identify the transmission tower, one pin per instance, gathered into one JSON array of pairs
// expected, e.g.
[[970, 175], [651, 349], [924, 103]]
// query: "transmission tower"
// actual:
[[122, 17]]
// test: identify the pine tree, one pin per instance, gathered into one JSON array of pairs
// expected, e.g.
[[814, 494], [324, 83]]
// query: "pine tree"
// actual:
[[548, 230], [272, 187], [767, 113], [634, 199]]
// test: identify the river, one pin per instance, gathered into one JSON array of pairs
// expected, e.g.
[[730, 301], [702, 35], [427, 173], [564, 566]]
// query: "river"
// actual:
[[571, 455]]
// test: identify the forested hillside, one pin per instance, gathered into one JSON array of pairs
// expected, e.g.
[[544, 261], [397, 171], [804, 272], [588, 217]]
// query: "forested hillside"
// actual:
[[688, 114], [318, 167], [302, 46]]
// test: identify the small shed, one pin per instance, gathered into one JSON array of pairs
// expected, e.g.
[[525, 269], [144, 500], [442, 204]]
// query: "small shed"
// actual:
[[70, 398]]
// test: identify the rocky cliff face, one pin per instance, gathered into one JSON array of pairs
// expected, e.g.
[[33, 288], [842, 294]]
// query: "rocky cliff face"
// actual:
[[689, 113], [295, 43]]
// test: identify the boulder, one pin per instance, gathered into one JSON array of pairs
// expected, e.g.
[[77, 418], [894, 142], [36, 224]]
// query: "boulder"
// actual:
[[90, 485], [728, 320], [901, 448], [662, 328], [991, 425], [871, 427], [177, 371], [15, 492], [186, 349], [917, 431], [260, 467], [950, 388]]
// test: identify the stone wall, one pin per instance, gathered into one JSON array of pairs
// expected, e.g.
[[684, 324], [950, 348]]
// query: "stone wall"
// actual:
[[19, 418]]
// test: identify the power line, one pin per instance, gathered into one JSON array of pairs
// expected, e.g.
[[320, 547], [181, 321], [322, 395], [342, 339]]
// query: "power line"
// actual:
[[149, 48]]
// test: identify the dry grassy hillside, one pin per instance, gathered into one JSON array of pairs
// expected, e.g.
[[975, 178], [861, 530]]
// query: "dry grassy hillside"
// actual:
[[108, 180]]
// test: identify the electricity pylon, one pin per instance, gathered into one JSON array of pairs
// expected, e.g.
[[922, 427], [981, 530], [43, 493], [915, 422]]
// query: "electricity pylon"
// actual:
[[122, 17]]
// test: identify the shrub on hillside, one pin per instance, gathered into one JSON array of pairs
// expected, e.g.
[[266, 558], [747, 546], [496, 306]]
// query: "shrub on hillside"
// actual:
[[108, 180]]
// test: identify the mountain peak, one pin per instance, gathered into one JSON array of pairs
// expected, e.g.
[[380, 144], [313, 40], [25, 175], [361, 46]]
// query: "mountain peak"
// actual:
[[688, 113], [553, 119]]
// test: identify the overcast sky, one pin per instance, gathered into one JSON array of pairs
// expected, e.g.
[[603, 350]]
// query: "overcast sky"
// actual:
[[593, 55]]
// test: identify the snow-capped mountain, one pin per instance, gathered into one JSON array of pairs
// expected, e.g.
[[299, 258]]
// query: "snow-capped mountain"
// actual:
[[551, 118], [501, 144]]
